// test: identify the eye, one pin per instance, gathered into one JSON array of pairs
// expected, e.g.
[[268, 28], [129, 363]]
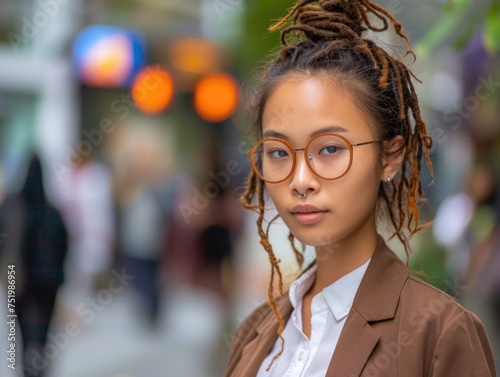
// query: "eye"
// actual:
[[277, 153], [330, 149]]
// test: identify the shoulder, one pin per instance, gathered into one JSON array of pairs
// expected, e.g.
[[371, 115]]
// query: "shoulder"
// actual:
[[246, 332], [453, 337], [422, 297], [261, 322], [427, 309], [389, 281], [463, 348], [250, 323]]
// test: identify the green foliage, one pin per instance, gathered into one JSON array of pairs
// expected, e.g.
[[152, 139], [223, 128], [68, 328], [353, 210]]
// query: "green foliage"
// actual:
[[446, 25], [492, 27], [258, 41], [429, 261], [456, 5], [460, 21]]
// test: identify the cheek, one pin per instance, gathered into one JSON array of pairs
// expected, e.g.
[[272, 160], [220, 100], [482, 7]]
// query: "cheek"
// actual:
[[362, 182], [276, 192], [366, 169], [360, 195]]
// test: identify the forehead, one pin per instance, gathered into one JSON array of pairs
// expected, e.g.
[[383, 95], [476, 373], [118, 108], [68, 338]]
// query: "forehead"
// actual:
[[300, 105]]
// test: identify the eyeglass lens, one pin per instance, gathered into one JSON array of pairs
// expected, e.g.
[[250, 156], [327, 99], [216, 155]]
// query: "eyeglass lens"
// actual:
[[329, 156]]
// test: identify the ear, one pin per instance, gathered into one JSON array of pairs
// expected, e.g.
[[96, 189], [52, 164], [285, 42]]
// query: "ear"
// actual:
[[392, 157]]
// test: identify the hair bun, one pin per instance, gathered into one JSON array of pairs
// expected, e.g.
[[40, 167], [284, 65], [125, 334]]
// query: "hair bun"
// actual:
[[329, 20], [343, 12]]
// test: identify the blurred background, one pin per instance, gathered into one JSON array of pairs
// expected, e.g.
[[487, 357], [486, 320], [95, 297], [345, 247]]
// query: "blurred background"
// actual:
[[121, 133]]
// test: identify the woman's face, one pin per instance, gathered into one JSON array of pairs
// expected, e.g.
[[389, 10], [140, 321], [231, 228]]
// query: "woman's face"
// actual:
[[344, 208]]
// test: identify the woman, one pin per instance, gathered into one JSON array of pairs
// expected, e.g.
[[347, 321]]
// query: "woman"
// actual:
[[340, 144]]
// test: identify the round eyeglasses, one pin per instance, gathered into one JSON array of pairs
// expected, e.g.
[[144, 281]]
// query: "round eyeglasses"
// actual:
[[329, 156]]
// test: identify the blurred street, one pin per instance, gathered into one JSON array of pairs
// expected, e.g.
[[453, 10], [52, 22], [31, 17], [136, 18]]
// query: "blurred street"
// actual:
[[112, 345]]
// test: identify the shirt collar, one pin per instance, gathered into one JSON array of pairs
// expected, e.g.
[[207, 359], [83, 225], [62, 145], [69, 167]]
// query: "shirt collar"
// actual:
[[339, 295], [300, 286]]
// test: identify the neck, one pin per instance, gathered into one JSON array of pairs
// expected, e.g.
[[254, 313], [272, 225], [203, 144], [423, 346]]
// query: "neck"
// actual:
[[336, 260]]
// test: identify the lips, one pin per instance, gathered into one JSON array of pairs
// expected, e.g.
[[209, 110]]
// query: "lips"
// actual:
[[307, 214]]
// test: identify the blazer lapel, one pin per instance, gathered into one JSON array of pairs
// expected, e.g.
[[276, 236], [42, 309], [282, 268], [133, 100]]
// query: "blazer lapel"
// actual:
[[355, 345], [257, 349], [376, 300]]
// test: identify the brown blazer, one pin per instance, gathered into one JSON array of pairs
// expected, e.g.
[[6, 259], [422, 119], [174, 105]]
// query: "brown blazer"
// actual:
[[398, 326]]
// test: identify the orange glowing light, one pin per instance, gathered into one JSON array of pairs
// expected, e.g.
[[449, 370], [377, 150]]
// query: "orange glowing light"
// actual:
[[216, 97], [193, 55], [153, 90]]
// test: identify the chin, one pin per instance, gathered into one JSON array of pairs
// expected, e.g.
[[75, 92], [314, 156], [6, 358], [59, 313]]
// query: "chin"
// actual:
[[312, 238]]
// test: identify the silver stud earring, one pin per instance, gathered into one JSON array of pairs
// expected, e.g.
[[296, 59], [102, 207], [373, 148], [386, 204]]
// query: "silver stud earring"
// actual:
[[388, 179]]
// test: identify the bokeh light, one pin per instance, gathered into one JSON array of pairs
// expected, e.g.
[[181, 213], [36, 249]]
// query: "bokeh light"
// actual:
[[106, 56], [195, 55], [153, 90], [216, 97]]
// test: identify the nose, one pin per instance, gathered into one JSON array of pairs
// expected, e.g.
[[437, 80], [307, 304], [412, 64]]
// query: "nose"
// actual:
[[303, 178]]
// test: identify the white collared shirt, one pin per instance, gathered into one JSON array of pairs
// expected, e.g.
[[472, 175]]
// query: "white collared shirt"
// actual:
[[329, 309]]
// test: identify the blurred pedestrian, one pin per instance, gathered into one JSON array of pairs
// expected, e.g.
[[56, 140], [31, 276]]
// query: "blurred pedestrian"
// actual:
[[87, 205], [36, 244], [142, 224], [200, 241]]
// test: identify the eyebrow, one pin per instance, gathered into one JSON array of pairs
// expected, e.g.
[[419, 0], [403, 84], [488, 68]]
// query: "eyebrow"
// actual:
[[328, 129]]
